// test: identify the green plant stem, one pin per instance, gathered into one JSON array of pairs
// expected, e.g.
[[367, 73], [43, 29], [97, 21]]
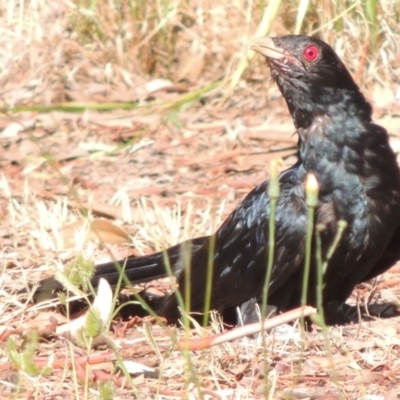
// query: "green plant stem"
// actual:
[[301, 13], [320, 273], [77, 107], [322, 266], [209, 280], [273, 194], [311, 201]]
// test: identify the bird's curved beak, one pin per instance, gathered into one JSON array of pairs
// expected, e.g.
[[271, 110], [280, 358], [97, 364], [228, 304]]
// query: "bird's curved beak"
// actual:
[[277, 57], [267, 47]]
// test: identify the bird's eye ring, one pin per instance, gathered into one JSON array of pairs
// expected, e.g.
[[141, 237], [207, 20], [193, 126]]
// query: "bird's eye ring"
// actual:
[[311, 53]]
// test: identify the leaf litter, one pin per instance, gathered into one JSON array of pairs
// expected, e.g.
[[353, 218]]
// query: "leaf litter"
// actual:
[[161, 174], [162, 182]]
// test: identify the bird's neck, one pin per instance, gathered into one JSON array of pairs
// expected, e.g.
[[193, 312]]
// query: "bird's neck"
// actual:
[[337, 104], [332, 125]]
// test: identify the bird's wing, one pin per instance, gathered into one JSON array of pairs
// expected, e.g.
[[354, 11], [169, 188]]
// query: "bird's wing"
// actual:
[[242, 246]]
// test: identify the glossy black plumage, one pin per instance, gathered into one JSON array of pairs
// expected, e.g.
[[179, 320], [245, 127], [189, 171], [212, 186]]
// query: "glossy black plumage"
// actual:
[[359, 182]]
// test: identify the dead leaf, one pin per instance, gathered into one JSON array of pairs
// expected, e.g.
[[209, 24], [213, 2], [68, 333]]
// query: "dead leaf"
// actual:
[[327, 363], [44, 318], [157, 84], [367, 376], [102, 307], [392, 394], [11, 130], [191, 62], [390, 331], [68, 155], [135, 368], [98, 230], [109, 232]]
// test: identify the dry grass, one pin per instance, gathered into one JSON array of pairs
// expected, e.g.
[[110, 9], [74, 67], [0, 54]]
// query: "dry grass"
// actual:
[[164, 174], [107, 50]]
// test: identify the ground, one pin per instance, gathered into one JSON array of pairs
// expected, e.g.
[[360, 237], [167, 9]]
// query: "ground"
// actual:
[[190, 123], [164, 175]]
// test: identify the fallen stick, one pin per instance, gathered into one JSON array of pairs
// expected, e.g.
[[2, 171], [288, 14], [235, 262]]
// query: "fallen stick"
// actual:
[[223, 337], [189, 344]]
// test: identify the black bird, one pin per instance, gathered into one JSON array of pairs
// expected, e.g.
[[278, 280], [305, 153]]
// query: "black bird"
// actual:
[[359, 182]]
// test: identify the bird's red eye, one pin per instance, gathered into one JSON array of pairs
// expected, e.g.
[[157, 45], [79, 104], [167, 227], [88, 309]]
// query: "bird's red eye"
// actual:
[[311, 53]]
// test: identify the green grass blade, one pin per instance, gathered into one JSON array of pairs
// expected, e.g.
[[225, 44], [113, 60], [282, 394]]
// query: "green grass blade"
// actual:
[[301, 13]]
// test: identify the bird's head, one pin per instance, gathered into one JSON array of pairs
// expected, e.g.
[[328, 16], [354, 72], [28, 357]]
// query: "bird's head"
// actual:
[[310, 75]]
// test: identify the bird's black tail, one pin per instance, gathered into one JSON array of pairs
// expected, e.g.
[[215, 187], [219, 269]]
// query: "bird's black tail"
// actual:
[[136, 269]]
